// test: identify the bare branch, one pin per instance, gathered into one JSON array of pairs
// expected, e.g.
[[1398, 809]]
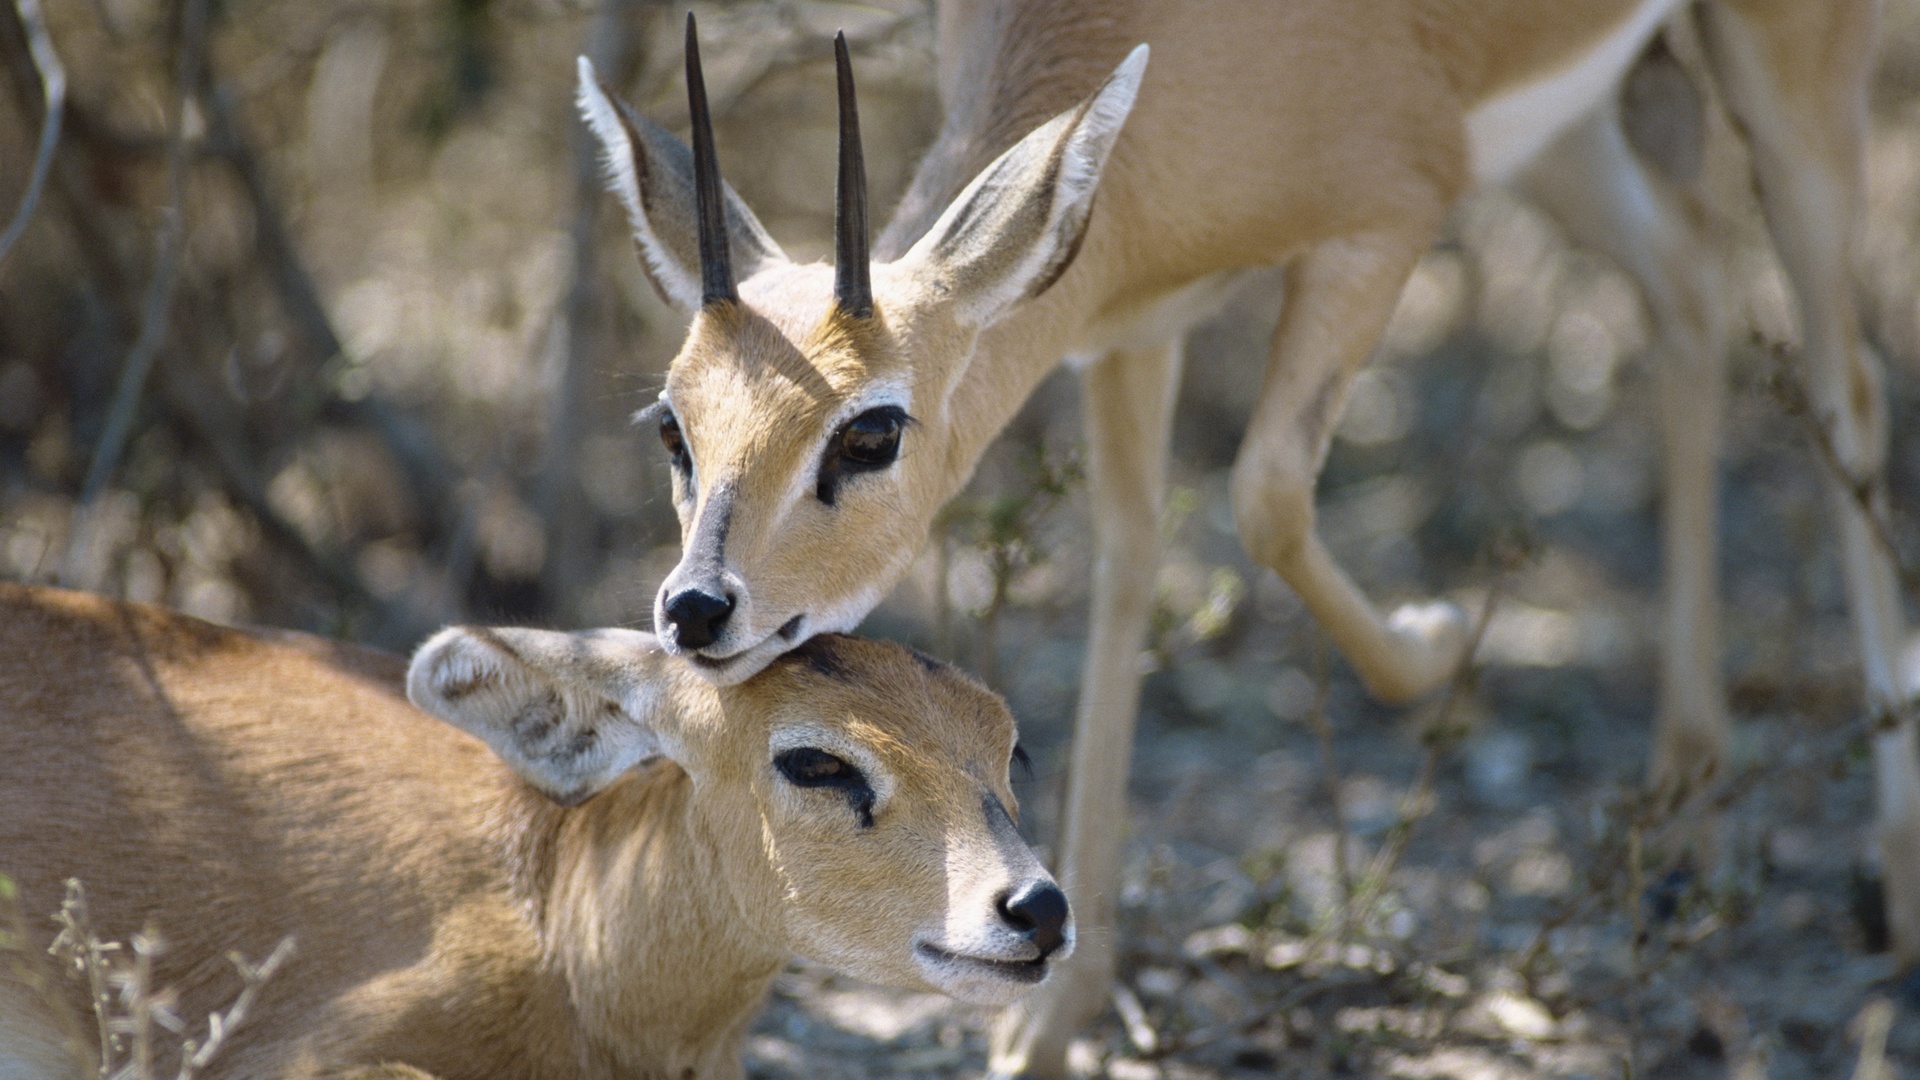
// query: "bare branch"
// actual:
[[53, 92], [570, 342], [156, 310], [428, 472], [1330, 775], [220, 1026]]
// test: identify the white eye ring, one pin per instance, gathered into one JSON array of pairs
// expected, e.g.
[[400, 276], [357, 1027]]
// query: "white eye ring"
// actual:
[[840, 745]]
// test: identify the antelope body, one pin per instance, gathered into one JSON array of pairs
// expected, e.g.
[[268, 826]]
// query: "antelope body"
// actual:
[[230, 788], [820, 417]]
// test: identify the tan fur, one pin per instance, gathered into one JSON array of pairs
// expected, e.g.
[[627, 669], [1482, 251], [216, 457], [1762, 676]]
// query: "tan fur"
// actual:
[[231, 787], [1291, 133]]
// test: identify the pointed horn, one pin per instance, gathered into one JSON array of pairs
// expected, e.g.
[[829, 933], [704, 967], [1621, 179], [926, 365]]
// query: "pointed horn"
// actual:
[[716, 264], [852, 284]]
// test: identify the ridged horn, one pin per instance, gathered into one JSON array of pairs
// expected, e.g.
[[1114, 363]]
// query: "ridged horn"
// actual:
[[710, 205], [852, 282]]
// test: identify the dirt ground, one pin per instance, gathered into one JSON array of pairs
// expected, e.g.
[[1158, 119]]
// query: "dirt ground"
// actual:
[[1501, 934], [1315, 885], [1489, 924]]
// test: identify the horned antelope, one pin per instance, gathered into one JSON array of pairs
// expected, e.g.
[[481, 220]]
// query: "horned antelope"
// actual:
[[818, 417], [608, 892]]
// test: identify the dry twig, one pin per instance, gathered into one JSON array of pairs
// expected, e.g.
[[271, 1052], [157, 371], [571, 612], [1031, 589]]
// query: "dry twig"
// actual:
[[157, 308], [570, 341], [1441, 735], [127, 1028], [196, 1056], [1330, 773], [1865, 492], [1873, 1024], [53, 92]]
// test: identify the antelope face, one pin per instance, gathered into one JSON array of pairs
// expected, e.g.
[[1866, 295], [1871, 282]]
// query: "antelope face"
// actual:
[[880, 788], [807, 414], [852, 801], [807, 465]]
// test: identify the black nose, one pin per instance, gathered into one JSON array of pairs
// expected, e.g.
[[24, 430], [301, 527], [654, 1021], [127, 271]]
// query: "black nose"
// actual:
[[697, 617], [1039, 912]]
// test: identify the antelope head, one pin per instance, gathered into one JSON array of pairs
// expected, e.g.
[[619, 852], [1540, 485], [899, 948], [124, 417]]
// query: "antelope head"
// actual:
[[852, 801], [807, 415]]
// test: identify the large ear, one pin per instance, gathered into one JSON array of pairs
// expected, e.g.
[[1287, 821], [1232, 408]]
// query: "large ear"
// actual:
[[568, 712], [652, 173], [1017, 227]]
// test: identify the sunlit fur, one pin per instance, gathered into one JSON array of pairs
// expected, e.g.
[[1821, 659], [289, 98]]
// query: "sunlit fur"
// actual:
[[229, 787], [1298, 134], [759, 389]]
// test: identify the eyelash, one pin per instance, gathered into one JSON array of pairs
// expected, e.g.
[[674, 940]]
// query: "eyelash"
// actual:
[[808, 767]]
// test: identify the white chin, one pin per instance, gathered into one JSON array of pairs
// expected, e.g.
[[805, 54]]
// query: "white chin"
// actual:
[[978, 983], [737, 668]]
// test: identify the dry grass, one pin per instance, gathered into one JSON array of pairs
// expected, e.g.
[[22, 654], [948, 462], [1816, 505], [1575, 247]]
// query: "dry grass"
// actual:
[[136, 1024]]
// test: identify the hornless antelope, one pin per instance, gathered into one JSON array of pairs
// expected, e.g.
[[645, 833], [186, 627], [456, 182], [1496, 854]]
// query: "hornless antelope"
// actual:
[[819, 417], [556, 908]]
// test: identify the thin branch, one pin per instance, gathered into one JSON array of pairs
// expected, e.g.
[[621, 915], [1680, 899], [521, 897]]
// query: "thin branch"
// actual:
[[199, 406], [53, 92], [570, 342], [157, 308], [1873, 1024], [428, 472], [1441, 735], [85, 953], [1636, 944], [1330, 775], [197, 1056], [1795, 401]]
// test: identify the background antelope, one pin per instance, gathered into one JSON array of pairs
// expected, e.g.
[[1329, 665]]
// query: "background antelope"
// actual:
[[818, 418], [608, 893]]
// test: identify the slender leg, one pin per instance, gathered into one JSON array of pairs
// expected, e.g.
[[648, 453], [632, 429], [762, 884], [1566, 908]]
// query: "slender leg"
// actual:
[[1129, 409], [1595, 185], [1341, 294], [1796, 74]]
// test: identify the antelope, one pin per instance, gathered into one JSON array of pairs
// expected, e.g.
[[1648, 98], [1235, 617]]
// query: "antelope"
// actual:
[[602, 883], [818, 417]]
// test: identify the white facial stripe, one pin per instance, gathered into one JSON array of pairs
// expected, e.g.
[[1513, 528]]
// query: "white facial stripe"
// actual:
[[981, 863]]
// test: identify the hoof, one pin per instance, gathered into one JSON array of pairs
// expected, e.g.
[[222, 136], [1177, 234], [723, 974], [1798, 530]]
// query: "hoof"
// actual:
[[1664, 898], [1867, 902], [1906, 989], [1429, 642]]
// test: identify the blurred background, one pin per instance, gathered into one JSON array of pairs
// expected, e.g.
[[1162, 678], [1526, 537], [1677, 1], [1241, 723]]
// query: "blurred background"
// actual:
[[322, 321]]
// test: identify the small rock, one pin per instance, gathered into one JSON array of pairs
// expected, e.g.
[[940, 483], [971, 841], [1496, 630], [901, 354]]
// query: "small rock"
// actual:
[[1520, 1016], [1497, 765]]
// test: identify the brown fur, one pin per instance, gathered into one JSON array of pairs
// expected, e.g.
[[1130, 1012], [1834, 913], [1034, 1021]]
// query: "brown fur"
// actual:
[[1295, 132], [231, 787]]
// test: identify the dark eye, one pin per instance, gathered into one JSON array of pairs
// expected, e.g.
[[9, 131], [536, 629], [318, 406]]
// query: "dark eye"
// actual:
[[865, 443], [675, 442], [810, 768], [872, 439]]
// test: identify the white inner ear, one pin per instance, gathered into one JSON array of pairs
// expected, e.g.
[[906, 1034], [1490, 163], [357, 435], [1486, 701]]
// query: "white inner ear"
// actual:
[[569, 713], [1092, 141], [617, 158], [978, 220]]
